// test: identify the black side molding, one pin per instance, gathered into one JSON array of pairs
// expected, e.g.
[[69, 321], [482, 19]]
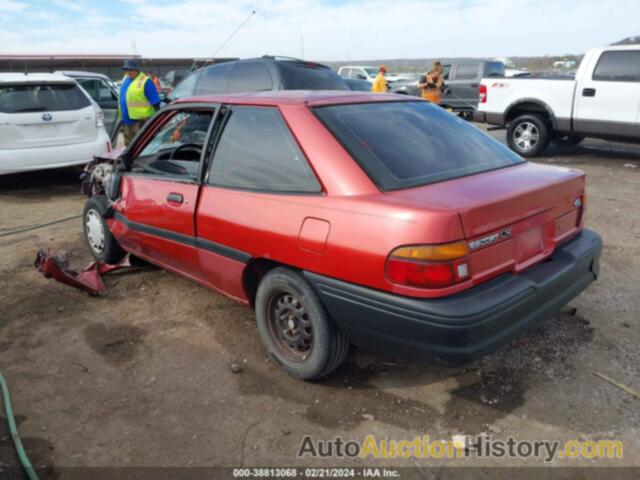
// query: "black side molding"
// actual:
[[195, 242]]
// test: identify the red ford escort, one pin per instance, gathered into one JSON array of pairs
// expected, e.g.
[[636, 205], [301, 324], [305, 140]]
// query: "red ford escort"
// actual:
[[344, 217]]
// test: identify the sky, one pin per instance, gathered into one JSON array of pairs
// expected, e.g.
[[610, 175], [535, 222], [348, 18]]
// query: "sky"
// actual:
[[329, 30]]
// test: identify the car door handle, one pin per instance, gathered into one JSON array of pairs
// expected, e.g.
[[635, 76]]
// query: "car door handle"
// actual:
[[175, 198], [475, 85], [589, 92]]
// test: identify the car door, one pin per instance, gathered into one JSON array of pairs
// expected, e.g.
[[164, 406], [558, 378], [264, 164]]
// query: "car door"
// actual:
[[160, 191], [256, 172], [463, 87], [107, 100], [608, 100]]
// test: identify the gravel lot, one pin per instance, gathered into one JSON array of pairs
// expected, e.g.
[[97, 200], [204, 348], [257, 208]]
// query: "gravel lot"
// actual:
[[141, 376]]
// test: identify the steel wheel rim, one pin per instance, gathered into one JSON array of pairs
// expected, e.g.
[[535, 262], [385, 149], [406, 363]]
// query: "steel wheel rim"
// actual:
[[526, 136], [95, 231], [289, 325]]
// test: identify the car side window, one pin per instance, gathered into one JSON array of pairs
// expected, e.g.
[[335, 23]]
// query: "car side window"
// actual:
[[105, 93], [256, 151], [446, 69], [250, 77], [214, 79], [174, 149], [91, 87], [467, 71], [186, 87], [618, 66]]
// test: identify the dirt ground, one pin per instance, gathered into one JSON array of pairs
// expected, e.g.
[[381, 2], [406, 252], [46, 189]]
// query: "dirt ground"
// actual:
[[141, 376]]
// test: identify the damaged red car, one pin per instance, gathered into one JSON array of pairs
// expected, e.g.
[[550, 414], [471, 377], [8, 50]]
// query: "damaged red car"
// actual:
[[343, 217]]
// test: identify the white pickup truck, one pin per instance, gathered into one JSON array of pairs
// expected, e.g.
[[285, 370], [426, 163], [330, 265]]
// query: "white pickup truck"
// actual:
[[602, 102]]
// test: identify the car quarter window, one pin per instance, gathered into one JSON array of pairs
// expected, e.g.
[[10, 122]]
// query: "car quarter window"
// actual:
[[174, 149], [256, 151], [618, 66]]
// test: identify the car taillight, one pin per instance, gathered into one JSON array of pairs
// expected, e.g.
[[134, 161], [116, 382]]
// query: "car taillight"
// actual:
[[482, 91], [429, 266], [99, 117]]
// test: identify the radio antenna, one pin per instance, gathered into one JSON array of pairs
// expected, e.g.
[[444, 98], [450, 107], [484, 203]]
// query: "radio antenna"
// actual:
[[253, 12]]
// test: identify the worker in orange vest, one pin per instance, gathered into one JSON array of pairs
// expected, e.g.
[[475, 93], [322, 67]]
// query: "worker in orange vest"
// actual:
[[155, 79], [432, 84]]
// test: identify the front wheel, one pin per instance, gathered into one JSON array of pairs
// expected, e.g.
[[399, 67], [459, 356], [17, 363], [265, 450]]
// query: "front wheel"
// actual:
[[528, 135], [102, 244], [295, 328]]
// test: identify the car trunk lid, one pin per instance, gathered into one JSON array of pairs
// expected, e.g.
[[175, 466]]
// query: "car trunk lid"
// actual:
[[513, 217]]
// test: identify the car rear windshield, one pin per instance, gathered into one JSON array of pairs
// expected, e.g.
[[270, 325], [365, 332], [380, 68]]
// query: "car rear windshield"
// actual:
[[46, 97], [407, 144], [309, 76]]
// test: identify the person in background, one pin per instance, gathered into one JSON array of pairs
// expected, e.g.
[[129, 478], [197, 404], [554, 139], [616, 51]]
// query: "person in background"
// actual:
[[139, 99], [380, 83], [156, 80], [432, 83]]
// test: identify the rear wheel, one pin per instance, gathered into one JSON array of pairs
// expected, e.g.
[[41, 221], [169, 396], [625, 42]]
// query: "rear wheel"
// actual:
[[102, 245], [528, 135], [295, 328]]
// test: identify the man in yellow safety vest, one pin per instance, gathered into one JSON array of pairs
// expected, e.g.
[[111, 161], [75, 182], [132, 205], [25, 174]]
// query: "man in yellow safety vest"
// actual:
[[139, 99]]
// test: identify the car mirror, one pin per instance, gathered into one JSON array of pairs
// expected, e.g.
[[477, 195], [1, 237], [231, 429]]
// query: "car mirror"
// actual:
[[361, 77], [113, 186]]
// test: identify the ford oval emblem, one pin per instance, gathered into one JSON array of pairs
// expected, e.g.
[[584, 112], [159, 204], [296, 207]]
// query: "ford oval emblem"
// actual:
[[46, 117]]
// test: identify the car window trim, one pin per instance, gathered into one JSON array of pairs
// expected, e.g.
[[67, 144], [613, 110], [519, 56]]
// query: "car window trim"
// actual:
[[168, 112], [225, 120]]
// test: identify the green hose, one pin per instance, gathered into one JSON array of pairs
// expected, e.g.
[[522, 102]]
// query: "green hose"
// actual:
[[22, 455]]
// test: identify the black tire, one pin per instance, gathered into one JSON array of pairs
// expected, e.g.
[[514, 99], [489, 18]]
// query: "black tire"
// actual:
[[319, 347], [568, 141], [528, 135], [104, 249]]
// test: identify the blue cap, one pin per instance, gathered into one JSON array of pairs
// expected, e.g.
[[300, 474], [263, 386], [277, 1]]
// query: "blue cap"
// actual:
[[131, 64]]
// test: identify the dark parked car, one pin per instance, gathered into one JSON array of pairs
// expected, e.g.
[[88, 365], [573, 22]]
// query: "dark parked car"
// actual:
[[358, 85], [348, 217], [462, 80], [259, 74]]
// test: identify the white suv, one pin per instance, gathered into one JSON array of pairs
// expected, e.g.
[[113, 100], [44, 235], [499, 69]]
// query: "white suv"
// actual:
[[47, 121]]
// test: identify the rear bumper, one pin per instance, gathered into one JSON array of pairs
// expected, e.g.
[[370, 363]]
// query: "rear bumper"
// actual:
[[26, 159], [465, 326]]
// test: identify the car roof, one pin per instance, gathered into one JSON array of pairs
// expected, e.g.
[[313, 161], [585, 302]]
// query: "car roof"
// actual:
[[619, 47], [312, 98], [358, 66], [34, 78], [79, 73]]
